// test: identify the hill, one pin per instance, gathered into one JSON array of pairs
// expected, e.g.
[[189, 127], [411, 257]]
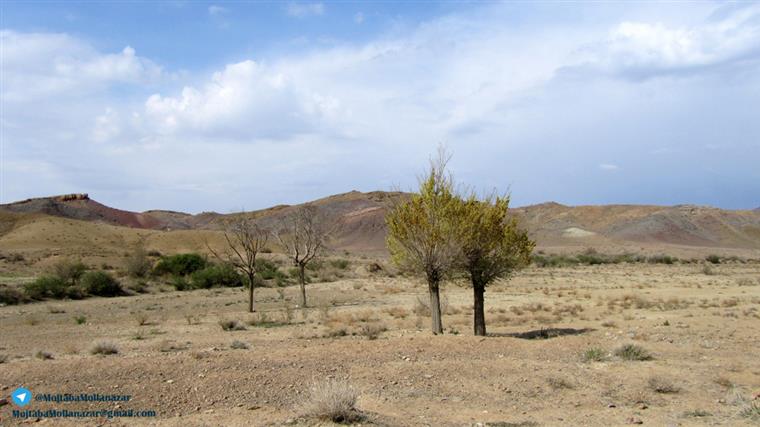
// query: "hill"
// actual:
[[51, 222]]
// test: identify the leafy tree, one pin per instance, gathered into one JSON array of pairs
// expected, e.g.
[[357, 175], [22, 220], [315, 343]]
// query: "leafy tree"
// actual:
[[492, 246], [303, 234], [422, 232], [138, 263]]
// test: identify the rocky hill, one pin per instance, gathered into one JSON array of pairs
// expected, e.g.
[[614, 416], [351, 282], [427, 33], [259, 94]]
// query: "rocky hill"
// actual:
[[361, 226]]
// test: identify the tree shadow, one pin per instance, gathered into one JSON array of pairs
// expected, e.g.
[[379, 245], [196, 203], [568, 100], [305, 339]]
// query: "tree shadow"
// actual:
[[543, 334]]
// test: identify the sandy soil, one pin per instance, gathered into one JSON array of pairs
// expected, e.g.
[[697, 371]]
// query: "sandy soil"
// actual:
[[701, 330]]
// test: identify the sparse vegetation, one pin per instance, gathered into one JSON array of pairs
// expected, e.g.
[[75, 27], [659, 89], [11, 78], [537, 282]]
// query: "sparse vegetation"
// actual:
[[335, 401], [180, 264], [138, 263], [633, 352], [231, 325], [239, 345], [101, 284], [104, 348], [659, 384], [43, 355], [80, 319], [593, 354]]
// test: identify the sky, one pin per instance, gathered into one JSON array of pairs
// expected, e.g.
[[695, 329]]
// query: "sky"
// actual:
[[199, 106]]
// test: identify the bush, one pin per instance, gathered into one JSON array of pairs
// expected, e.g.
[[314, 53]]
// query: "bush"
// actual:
[[138, 263], [216, 276], [11, 296], [268, 270], [46, 287], [714, 259], [69, 271], [180, 283], [661, 259], [593, 354], [334, 401], [340, 264], [102, 284], [633, 352], [662, 385], [239, 345], [180, 265], [104, 347], [231, 325]]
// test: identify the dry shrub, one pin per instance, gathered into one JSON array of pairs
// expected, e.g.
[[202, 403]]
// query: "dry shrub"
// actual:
[[397, 312], [231, 325], [633, 352], [3, 358], [662, 385], [43, 355], [372, 330], [335, 401], [559, 383], [239, 345], [104, 348], [141, 319]]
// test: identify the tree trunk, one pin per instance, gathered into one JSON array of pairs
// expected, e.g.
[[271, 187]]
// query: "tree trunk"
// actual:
[[479, 320], [251, 308], [302, 282], [435, 307]]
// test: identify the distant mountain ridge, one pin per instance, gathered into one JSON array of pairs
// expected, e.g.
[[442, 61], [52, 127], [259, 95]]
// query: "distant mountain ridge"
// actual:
[[361, 221]]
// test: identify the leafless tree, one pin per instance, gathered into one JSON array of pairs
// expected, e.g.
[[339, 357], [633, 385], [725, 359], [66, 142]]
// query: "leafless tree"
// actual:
[[302, 234], [245, 239]]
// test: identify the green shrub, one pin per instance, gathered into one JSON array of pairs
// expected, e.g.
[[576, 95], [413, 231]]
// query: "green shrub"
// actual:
[[633, 352], [340, 264], [593, 354], [661, 259], [46, 287], [315, 265], [216, 276], [180, 265], [180, 283], [102, 284], [714, 259]]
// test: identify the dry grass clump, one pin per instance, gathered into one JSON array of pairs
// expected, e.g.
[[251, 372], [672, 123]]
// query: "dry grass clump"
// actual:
[[43, 355], [104, 348], [750, 411], [559, 383], [397, 312], [662, 385], [3, 358], [633, 352], [231, 325], [335, 401], [141, 319], [422, 306], [372, 330], [239, 345]]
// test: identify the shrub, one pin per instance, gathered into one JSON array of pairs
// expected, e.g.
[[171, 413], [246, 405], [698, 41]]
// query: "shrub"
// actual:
[[46, 287], [340, 264], [80, 319], [662, 385], [138, 263], [102, 284], [231, 325], [215, 276], [11, 296], [43, 355], [661, 259], [750, 411], [633, 352], [334, 401], [239, 345], [180, 283], [3, 358], [372, 330], [104, 347], [707, 270], [593, 354], [69, 271], [180, 265], [713, 259]]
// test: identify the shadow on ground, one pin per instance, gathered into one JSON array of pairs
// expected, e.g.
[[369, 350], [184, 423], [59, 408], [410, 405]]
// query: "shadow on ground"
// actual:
[[542, 334]]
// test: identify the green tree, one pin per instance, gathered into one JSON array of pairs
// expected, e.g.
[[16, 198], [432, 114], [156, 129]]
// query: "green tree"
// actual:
[[492, 246], [422, 232]]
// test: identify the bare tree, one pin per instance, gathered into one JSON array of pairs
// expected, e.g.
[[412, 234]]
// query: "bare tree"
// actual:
[[245, 238], [302, 235]]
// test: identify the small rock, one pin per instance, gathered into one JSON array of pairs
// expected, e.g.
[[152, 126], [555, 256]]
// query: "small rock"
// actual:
[[612, 405], [634, 420]]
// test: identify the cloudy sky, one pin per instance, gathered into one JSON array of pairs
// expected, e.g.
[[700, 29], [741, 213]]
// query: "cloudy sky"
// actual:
[[199, 106]]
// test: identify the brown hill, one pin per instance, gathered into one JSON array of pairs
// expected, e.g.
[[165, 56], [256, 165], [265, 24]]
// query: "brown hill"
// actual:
[[361, 225]]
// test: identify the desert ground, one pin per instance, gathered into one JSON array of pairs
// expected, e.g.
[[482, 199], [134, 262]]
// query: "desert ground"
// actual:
[[551, 358]]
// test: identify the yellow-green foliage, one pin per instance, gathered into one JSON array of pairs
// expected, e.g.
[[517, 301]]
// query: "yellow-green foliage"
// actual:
[[422, 230], [492, 244]]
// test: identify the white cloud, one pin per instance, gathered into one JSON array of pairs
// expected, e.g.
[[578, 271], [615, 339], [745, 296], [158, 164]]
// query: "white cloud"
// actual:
[[644, 49], [608, 167], [302, 10], [39, 65], [358, 18]]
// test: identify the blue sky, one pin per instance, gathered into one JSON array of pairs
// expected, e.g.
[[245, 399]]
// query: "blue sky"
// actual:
[[225, 105]]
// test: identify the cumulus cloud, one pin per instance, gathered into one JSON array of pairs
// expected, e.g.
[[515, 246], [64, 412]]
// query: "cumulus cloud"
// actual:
[[646, 49], [37, 65]]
